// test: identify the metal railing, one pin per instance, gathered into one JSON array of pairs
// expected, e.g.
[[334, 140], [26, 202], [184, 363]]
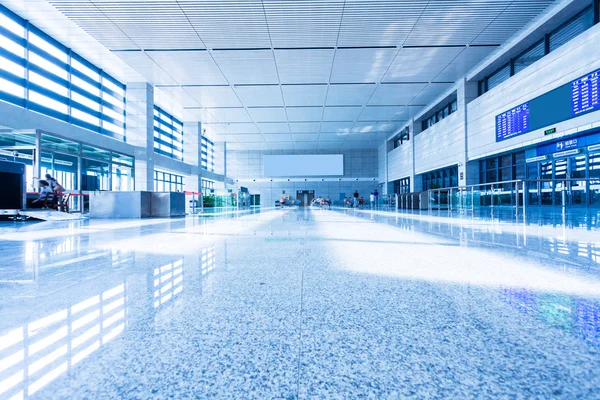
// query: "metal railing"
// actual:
[[519, 194]]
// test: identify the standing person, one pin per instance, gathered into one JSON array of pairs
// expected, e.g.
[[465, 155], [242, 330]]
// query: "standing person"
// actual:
[[376, 194], [372, 200], [356, 196], [55, 186]]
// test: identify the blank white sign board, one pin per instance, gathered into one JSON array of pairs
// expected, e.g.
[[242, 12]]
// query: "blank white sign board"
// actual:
[[304, 165]]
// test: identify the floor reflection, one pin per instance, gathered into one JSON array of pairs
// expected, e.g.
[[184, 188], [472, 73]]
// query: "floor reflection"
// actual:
[[35, 354]]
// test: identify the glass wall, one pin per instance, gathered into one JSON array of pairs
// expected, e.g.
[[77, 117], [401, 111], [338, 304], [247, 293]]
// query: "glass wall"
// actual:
[[441, 178], [168, 135], [167, 182], [208, 187], [402, 186], [39, 73], [208, 154], [550, 42]]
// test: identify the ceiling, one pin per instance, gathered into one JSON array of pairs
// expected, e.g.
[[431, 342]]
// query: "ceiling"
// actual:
[[301, 74]]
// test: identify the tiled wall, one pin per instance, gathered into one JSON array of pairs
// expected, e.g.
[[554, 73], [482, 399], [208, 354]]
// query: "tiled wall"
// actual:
[[248, 165]]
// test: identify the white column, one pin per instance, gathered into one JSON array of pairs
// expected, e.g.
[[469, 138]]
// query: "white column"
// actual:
[[140, 132], [466, 91]]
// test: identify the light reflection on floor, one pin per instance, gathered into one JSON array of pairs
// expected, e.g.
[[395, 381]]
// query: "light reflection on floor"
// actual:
[[300, 304]]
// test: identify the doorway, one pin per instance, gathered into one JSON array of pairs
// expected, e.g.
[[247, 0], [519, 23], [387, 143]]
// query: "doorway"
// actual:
[[305, 196]]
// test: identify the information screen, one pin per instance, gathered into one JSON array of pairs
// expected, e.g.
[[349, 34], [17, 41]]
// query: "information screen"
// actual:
[[304, 165], [585, 93], [513, 122], [563, 103]]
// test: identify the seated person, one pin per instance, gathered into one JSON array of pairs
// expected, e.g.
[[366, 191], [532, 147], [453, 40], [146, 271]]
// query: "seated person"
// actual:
[[347, 202], [46, 193], [361, 202]]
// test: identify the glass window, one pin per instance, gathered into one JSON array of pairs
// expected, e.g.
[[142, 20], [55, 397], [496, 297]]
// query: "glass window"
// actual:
[[48, 84], [571, 29], [59, 144], [85, 117], [11, 25], [94, 152], [13, 47], [168, 136], [79, 66], [48, 102], [122, 178], [498, 77], [85, 101], [12, 67], [48, 47], [47, 65], [122, 159], [529, 57], [107, 83], [48, 59], [85, 85], [95, 175]]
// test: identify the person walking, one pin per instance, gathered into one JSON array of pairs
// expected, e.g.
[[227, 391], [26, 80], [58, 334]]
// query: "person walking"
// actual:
[[376, 194], [356, 197], [372, 200]]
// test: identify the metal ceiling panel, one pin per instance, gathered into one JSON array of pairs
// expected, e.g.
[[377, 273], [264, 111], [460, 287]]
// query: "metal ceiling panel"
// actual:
[[214, 96], [304, 65], [332, 137], [430, 93], [420, 64], [268, 114], [147, 68], [189, 67], [470, 57], [362, 136], [336, 127], [304, 95], [361, 65], [278, 137], [380, 113], [407, 113], [304, 114], [305, 145], [244, 128], [274, 127], [379, 22], [177, 94], [395, 94], [225, 115], [249, 138], [306, 23], [342, 113], [349, 95], [248, 66], [307, 137], [304, 127], [228, 23], [454, 22], [260, 96]]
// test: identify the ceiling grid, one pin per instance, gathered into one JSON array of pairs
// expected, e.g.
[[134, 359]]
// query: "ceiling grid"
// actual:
[[336, 73]]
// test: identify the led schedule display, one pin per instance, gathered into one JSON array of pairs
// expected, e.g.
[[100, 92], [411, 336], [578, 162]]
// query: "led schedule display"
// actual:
[[512, 122], [585, 94], [567, 101]]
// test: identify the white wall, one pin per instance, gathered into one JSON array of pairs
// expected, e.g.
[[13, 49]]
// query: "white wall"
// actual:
[[578, 57], [247, 166]]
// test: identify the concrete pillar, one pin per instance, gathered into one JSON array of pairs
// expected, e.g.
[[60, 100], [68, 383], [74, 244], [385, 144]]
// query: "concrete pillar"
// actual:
[[466, 92], [192, 154], [140, 132], [414, 185]]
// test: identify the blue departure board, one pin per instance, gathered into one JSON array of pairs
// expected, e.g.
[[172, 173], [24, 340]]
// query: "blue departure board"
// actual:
[[512, 122], [585, 93]]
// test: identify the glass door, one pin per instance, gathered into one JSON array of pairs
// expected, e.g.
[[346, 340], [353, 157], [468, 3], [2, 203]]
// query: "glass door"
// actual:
[[561, 185], [546, 183], [578, 189]]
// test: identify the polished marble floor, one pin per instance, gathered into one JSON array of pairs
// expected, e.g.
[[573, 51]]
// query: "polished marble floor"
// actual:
[[302, 304]]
